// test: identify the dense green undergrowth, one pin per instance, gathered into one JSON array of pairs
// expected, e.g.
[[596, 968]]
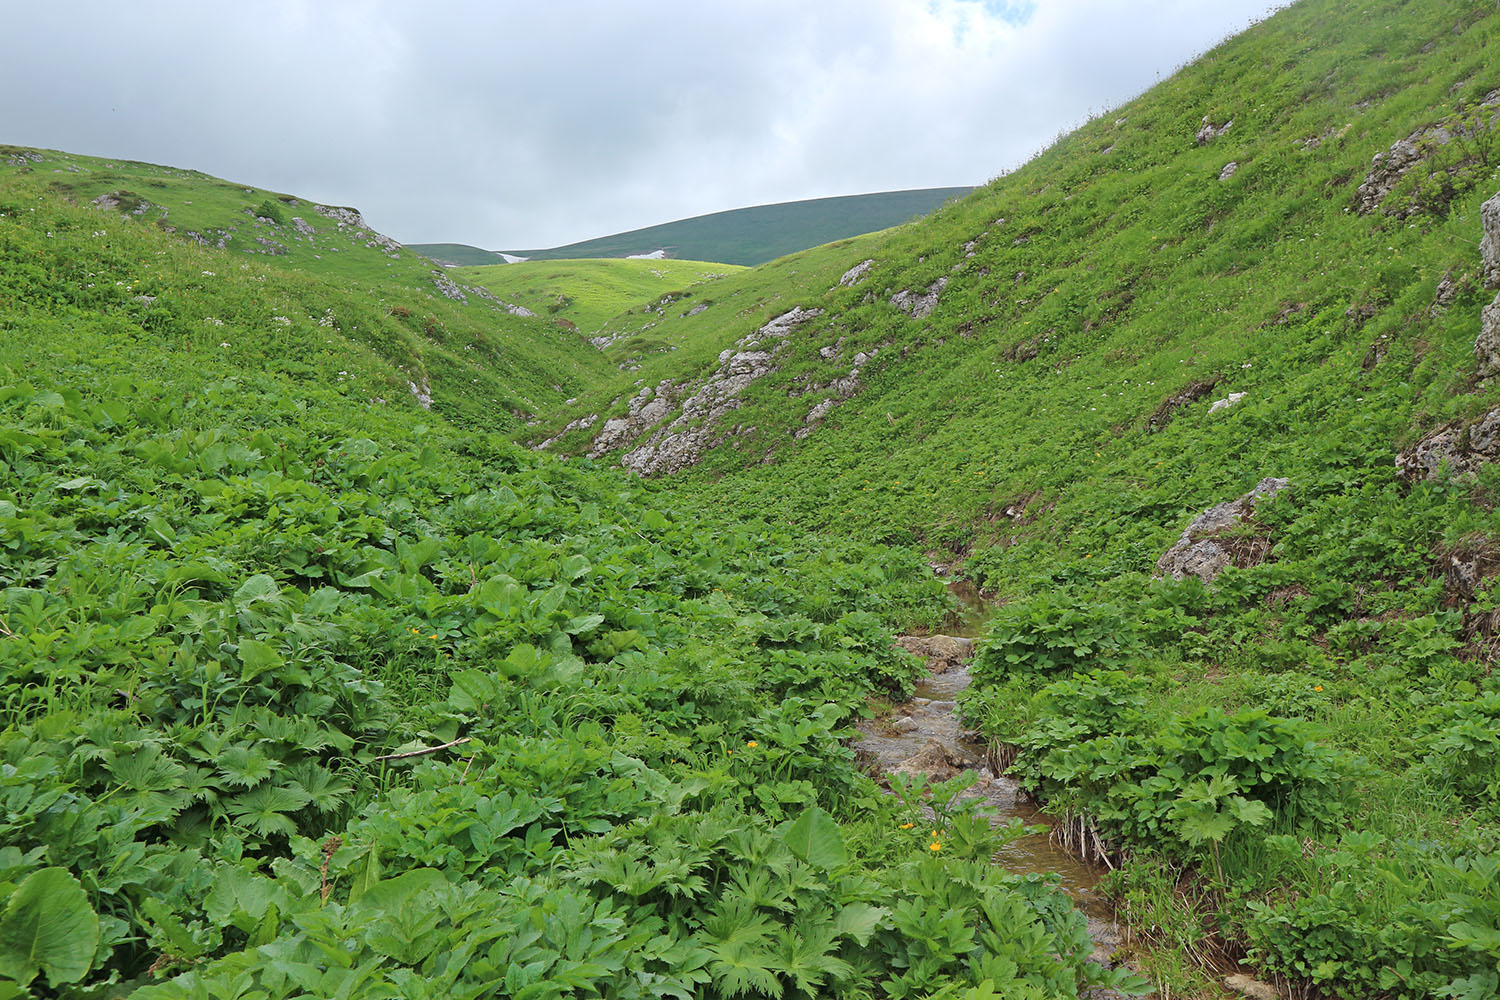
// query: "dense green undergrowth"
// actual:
[[309, 694]]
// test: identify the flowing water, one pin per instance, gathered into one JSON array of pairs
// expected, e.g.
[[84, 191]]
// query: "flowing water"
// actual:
[[931, 716]]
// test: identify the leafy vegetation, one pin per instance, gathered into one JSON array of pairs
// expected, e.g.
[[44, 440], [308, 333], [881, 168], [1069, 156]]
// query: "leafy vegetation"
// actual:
[[309, 691]]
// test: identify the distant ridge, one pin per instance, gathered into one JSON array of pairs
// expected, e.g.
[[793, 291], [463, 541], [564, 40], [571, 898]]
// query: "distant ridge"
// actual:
[[746, 236]]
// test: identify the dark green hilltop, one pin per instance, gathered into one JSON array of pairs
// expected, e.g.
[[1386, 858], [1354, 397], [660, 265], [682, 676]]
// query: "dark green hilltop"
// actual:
[[746, 236]]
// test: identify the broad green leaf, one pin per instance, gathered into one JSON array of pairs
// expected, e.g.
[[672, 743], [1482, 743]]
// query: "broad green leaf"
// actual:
[[815, 838], [859, 921], [395, 894], [48, 926], [471, 690], [258, 588], [367, 875], [258, 657]]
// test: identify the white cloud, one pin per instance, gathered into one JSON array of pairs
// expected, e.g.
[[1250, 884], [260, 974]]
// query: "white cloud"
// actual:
[[512, 125]]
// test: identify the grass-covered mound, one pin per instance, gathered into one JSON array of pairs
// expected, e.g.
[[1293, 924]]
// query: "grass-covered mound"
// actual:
[[155, 300], [587, 293]]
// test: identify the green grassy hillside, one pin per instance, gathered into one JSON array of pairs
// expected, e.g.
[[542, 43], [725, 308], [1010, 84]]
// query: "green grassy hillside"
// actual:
[[745, 236], [340, 306], [1047, 425], [587, 293]]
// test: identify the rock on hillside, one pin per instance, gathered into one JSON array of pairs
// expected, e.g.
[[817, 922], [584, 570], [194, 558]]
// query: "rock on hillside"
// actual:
[[696, 426], [1211, 543], [1487, 344]]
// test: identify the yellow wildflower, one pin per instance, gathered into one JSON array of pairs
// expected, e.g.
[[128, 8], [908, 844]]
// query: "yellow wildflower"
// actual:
[[752, 744], [934, 846], [907, 826]]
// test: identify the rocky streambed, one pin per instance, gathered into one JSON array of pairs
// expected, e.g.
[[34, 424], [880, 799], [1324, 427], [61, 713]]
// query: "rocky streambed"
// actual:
[[924, 736]]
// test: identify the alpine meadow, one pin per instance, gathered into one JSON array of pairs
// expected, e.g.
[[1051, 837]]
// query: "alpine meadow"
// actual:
[[373, 628]]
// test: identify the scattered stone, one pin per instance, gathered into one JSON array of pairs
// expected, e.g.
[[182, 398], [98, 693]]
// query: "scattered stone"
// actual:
[[696, 309], [448, 287], [1229, 169], [303, 226], [1489, 243], [1252, 988], [942, 652], [919, 306], [1447, 291], [1226, 402], [905, 724], [1460, 448], [1209, 131], [829, 352], [857, 273], [422, 392], [1212, 542], [933, 761], [572, 425]]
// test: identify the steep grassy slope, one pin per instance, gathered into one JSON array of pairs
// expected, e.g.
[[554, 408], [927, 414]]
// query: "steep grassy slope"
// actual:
[[1048, 423], [755, 235], [341, 306], [586, 293]]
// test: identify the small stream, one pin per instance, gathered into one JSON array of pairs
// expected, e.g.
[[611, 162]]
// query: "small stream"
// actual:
[[905, 740]]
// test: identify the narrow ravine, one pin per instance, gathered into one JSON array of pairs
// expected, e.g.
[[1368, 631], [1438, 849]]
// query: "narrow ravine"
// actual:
[[925, 736]]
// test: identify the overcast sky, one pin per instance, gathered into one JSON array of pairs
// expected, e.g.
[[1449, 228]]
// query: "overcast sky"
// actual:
[[514, 125]]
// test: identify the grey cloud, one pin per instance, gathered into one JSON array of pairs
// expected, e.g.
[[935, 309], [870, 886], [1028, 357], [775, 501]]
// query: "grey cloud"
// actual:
[[520, 124]]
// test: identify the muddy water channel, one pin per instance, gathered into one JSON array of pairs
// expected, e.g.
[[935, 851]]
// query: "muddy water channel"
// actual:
[[924, 736]]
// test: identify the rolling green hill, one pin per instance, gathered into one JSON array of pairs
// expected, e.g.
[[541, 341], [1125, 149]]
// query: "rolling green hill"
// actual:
[[227, 276], [744, 236], [588, 293]]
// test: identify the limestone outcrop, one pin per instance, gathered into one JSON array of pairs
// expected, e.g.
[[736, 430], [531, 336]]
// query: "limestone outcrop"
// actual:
[[1460, 448], [702, 408], [1213, 541], [1209, 131], [1487, 344], [1489, 243], [1389, 167], [919, 305]]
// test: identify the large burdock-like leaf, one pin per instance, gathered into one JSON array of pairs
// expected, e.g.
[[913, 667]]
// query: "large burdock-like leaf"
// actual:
[[816, 838], [48, 926]]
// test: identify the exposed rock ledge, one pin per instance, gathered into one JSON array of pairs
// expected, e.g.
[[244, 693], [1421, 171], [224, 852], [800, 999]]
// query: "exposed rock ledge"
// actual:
[[696, 429], [1211, 544], [919, 306]]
